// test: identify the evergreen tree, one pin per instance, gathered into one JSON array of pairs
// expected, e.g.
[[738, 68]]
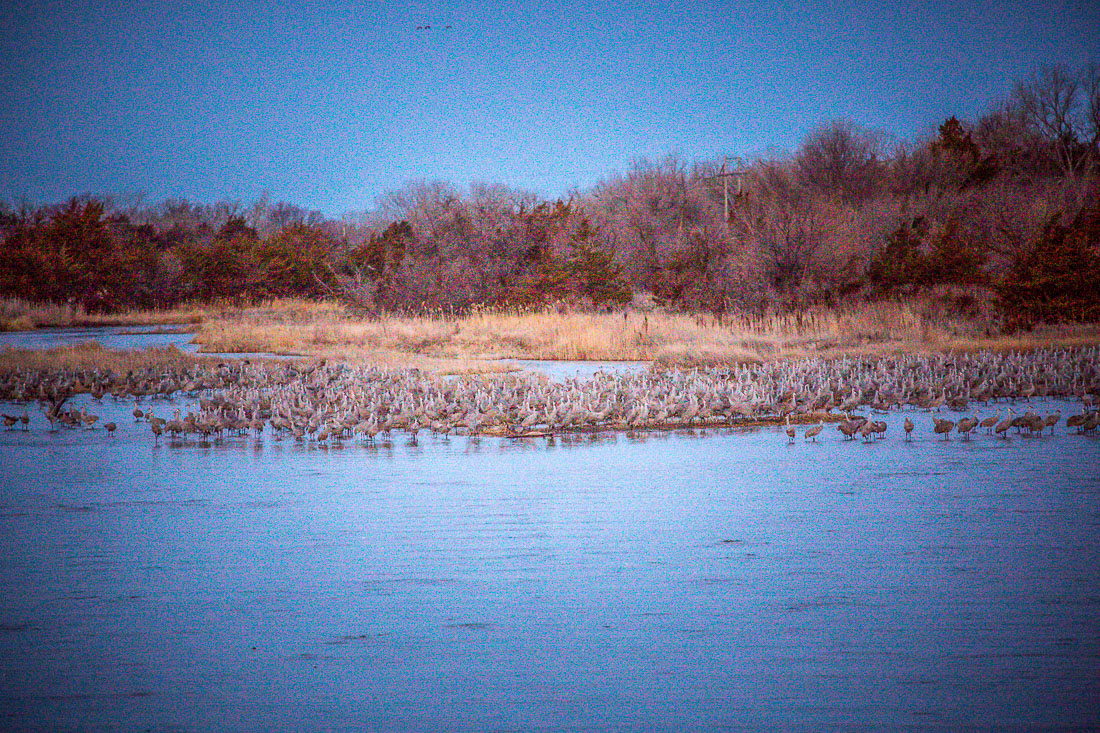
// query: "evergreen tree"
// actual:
[[593, 270]]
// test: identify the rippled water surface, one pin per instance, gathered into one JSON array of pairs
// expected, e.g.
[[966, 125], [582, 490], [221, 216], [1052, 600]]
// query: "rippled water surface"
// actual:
[[671, 581], [108, 337]]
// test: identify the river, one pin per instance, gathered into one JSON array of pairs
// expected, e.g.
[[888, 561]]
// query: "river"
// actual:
[[665, 581], [693, 580]]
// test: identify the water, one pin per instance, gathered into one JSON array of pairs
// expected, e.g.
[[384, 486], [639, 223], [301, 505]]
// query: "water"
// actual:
[[108, 337], [147, 337], [116, 338], [666, 581], [562, 370]]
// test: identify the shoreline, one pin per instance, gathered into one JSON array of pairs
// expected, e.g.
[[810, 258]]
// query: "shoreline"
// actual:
[[477, 341], [321, 400]]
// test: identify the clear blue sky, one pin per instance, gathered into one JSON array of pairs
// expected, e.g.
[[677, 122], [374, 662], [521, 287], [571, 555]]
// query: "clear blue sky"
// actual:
[[330, 104]]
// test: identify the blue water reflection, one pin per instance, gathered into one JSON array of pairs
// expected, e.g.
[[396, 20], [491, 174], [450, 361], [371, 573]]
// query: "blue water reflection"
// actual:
[[560, 370], [119, 338], [113, 337], [655, 581]]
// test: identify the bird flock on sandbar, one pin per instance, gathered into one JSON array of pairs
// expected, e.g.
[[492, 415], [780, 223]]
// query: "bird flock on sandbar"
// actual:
[[330, 402]]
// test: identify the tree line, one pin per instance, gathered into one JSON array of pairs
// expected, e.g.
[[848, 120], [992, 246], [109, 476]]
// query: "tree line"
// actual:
[[1010, 201]]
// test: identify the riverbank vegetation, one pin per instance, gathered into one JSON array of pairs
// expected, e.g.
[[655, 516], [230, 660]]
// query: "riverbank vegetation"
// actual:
[[931, 322], [986, 229]]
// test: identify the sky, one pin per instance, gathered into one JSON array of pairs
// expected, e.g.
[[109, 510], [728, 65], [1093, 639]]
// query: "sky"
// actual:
[[330, 105]]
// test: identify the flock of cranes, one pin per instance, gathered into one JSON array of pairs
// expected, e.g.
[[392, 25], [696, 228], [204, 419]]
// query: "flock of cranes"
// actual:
[[1030, 421], [327, 402]]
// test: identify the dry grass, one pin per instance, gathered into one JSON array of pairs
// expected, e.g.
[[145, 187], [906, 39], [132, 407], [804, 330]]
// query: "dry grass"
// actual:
[[21, 315], [475, 341], [86, 356]]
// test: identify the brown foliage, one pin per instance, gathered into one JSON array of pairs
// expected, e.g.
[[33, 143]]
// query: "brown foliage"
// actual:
[[976, 202]]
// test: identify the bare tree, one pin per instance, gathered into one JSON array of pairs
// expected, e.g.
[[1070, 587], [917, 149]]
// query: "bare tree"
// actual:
[[840, 159], [1059, 106], [1091, 84], [787, 236], [1048, 100]]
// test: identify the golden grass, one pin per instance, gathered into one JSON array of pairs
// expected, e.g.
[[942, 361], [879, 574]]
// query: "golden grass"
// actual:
[[92, 355], [21, 315], [475, 341]]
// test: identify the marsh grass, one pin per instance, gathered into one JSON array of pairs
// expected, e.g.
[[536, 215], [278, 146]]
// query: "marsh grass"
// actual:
[[22, 315], [941, 321], [91, 355], [933, 323]]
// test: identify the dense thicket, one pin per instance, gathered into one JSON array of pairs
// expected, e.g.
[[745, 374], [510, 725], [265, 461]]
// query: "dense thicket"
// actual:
[[1009, 201]]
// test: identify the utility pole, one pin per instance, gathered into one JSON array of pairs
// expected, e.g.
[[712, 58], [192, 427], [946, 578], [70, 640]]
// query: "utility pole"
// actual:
[[725, 176]]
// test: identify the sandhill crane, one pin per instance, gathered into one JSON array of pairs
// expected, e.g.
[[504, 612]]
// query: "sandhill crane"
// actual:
[[937, 403], [87, 418], [813, 431], [175, 426], [1025, 421], [848, 427], [1027, 391], [943, 427], [51, 417], [1002, 427], [790, 431], [988, 423], [909, 428], [867, 430], [966, 425]]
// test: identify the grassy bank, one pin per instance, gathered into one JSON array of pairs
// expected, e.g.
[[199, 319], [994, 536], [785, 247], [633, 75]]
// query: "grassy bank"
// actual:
[[21, 315], [926, 324], [916, 325], [92, 356]]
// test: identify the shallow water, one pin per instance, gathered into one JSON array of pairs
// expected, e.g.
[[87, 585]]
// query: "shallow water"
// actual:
[[117, 338], [562, 370], [142, 337], [109, 337], [661, 581]]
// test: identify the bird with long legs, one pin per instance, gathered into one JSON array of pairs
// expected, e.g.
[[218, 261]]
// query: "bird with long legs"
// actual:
[[1003, 426], [966, 425], [848, 427], [867, 431], [943, 427], [988, 424]]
